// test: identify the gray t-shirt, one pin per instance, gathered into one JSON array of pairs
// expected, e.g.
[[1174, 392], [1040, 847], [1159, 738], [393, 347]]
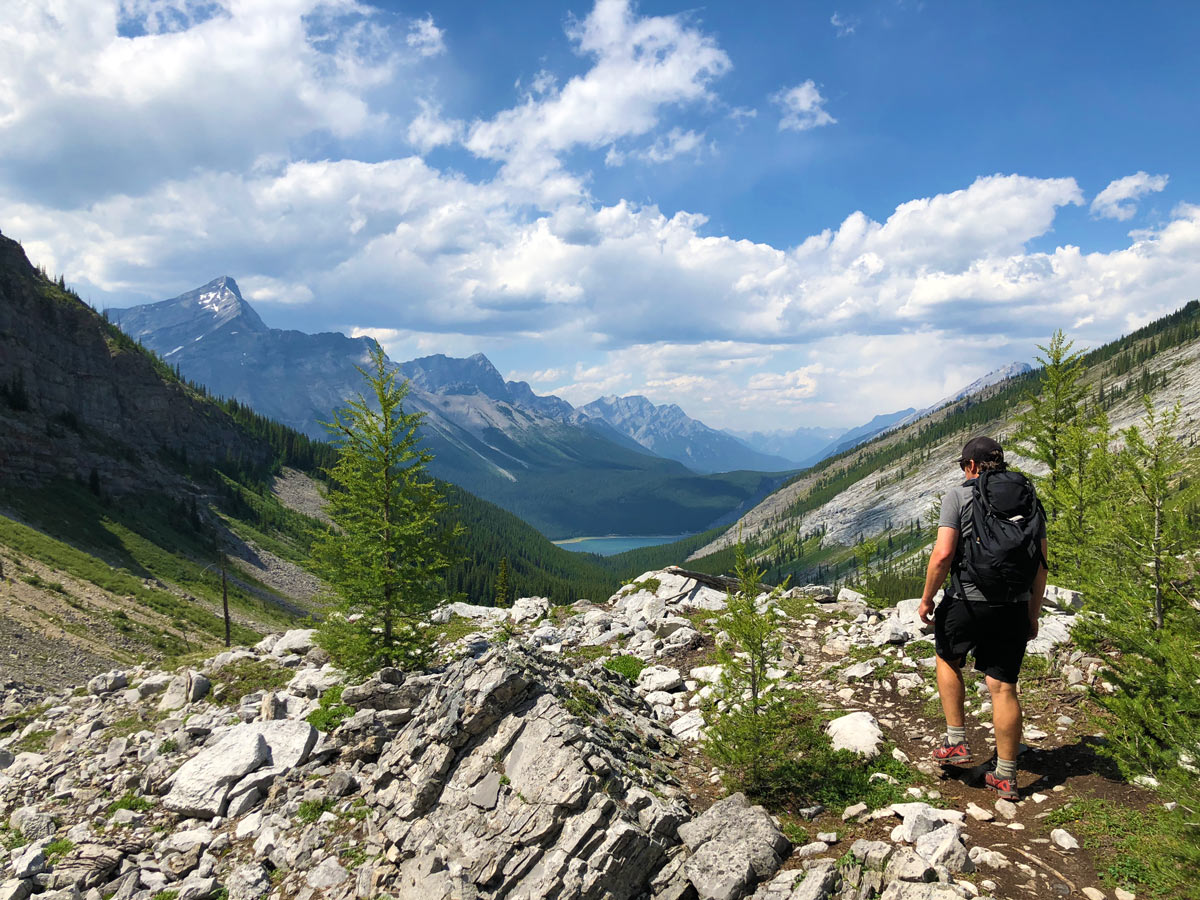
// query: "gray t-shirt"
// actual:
[[956, 514]]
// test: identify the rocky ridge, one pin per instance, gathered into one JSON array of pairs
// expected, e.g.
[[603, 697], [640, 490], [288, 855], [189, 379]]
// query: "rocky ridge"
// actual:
[[519, 768]]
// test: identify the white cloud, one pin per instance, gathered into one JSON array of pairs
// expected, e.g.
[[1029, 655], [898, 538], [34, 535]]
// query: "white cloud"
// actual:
[[844, 25], [123, 97], [426, 38], [640, 66], [865, 316], [1119, 200], [803, 107], [428, 129], [798, 384], [673, 144]]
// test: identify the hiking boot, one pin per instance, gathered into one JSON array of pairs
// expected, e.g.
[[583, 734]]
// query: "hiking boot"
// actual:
[[952, 754], [1005, 788]]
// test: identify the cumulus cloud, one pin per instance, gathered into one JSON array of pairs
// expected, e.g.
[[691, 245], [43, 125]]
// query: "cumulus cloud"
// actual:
[[425, 38], [640, 66], [870, 314], [122, 97], [428, 129], [1119, 200], [802, 107]]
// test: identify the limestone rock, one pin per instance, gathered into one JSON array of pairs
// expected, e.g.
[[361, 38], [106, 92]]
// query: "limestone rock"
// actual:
[[107, 682], [248, 882], [328, 874], [732, 829], [944, 847], [184, 689], [659, 678], [1063, 839], [32, 823], [857, 732], [298, 642], [200, 787], [86, 866], [717, 874], [529, 609]]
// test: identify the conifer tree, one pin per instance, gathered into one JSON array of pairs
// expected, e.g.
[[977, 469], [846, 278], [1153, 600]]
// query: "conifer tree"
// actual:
[[502, 583], [385, 554], [747, 724], [1042, 428], [1079, 494], [1141, 612]]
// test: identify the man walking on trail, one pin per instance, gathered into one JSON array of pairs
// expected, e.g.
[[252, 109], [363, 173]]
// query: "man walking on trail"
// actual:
[[993, 544]]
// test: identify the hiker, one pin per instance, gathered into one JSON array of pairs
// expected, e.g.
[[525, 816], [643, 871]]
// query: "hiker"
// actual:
[[991, 540]]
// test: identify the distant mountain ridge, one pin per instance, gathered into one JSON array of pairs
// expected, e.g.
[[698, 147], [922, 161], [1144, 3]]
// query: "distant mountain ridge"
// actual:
[[668, 431], [565, 473], [883, 487]]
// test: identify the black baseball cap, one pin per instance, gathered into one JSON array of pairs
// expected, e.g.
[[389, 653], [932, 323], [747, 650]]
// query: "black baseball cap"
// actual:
[[981, 449]]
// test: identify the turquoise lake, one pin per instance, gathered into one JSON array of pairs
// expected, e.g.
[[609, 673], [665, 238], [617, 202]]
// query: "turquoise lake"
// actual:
[[615, 543]]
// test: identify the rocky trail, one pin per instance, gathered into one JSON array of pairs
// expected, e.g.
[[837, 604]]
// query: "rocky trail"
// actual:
[[522, 767]]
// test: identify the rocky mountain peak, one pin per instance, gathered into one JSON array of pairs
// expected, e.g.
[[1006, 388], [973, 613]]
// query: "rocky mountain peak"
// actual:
[[441, 374], [215, 306]]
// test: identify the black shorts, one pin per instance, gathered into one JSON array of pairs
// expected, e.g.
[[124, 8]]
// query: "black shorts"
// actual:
[[994, 633]]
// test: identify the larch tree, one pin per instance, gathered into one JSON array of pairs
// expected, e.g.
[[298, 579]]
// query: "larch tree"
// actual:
[[385, 554]]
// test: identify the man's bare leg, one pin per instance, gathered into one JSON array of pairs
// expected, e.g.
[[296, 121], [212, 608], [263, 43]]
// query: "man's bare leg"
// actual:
[[952, 691], [1006, 717]]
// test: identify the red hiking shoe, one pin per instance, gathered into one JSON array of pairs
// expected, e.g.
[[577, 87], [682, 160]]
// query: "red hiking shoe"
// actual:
[[1005, 788], [952, 754]]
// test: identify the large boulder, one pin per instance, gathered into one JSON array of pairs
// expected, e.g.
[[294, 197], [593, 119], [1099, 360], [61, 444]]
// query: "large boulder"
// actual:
[[201, 785], [733, 846], [659, 678], [107, 682], [1053, 630], [299, 642], [184, 689]]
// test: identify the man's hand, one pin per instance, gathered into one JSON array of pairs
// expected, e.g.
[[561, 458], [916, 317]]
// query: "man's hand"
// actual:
[[1033, 627], [925, 610]]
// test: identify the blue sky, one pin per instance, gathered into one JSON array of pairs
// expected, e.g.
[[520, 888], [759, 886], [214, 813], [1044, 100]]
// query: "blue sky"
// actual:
[[774, 214]]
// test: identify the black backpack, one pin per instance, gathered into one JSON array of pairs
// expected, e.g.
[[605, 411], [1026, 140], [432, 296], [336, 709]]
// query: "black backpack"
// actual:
[[1002, 554]]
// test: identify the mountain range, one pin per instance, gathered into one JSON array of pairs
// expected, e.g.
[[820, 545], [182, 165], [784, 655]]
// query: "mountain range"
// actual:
[[615, 465], [566, 471]]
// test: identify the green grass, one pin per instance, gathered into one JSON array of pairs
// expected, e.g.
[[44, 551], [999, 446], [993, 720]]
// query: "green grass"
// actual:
[[331, 711], [649, 584], [10, 838], [249, 675], [56, 850], [1152, 853], [133, 724], [455, 630], [588, 654], [127, 582], [629, 666], [153, 538], [311, 810], [130, 800], [582, 702], [34, 742]]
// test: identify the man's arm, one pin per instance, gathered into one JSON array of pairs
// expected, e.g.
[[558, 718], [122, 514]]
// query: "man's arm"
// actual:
[[940, 560], [1037, 594]]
